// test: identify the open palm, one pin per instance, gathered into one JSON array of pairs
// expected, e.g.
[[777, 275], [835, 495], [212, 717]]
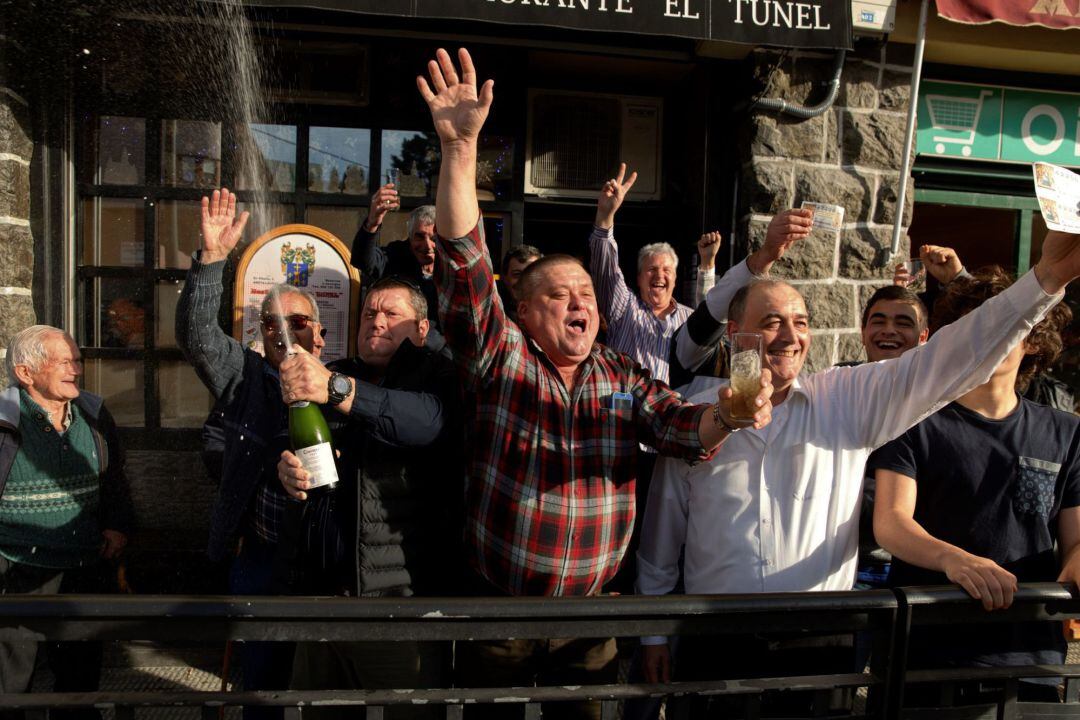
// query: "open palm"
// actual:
[[221, 229], [457, 109]]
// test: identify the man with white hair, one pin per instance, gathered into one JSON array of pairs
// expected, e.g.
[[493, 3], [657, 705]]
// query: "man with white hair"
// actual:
[[641, 327], [65, 507], [412, 258]]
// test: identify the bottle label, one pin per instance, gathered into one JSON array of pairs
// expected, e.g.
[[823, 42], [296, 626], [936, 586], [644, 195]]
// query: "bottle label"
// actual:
[[319, 461]]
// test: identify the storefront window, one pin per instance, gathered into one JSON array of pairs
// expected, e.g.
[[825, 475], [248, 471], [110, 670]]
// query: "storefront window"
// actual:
[[166, 297], [113, 232], [121, 383], [266, 157], [264, 217], [178, 227], [184, 401], [339, 160], [115, 317], [120, 151], [415, 157], [190, 153]]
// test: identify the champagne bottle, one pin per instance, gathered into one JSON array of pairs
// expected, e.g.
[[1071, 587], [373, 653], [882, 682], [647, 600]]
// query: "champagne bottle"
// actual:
[[309, 436]]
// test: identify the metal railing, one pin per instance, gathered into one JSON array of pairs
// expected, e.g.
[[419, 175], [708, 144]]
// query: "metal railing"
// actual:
[[883, 617]]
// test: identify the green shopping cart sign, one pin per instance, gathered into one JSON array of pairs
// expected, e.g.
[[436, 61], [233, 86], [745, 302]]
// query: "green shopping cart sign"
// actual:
[[987, 122]]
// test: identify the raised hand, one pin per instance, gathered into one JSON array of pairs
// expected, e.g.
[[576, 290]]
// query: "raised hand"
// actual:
[[1060, 261], [785, 229], [611, 197], [221, 229], [383, 201], [941, 262], [708, 246], [457, 110]]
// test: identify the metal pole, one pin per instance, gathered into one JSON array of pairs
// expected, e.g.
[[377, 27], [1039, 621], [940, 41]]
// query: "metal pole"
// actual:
[[909, 139]]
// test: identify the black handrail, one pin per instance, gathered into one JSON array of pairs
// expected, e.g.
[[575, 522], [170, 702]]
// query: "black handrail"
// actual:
[[886, 615]]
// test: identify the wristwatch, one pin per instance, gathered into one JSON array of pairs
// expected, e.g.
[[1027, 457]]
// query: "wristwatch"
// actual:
[[338, 388]]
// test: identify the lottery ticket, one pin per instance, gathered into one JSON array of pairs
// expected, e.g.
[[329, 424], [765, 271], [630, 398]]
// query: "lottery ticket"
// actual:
[[1058, 191], [826, 217]]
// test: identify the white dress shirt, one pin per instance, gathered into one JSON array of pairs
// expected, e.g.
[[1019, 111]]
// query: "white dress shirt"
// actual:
[[777, 509]]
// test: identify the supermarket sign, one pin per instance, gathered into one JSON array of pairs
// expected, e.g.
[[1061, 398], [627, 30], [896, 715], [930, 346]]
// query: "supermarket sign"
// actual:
[[1004, 124]]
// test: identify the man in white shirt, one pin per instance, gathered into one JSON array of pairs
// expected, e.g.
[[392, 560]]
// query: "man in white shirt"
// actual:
[[777, 509]]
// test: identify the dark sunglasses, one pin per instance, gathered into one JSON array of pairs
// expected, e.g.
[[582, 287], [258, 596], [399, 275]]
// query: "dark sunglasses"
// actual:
[[297, 323]]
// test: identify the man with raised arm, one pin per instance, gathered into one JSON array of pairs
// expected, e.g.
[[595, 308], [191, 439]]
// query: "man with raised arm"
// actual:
[[777, 510], [639, 325], [550, 493], [250, 506]]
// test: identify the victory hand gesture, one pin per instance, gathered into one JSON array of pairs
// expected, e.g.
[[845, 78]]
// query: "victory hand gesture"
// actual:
[[456, 109], [611, 197], [785, 229], [708, 246], [221, 229]]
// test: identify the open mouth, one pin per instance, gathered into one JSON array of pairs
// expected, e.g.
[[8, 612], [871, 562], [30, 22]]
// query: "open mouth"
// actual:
[[887, 345], [787, 354], [577, 327]]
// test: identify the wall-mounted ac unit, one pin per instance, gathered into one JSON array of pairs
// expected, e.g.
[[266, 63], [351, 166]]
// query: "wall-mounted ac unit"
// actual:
[[577, 140], [873, 17]]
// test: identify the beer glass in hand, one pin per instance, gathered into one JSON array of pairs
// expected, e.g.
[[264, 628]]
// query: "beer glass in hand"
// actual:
[[745, 374]]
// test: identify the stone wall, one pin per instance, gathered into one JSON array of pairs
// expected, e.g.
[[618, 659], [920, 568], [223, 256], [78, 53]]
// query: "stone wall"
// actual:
[[16, 242], [848, 156]]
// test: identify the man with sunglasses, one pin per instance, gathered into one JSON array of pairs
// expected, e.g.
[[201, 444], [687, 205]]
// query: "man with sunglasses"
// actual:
[[250, 505], [392, 528]]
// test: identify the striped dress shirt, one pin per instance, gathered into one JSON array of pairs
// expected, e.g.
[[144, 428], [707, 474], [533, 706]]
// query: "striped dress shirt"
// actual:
[[632, 327]]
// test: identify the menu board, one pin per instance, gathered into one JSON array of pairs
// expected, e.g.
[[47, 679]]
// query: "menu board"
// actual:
[[308, 258]]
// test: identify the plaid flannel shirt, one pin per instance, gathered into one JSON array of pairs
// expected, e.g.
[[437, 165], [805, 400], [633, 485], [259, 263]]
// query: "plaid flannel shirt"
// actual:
[[550, 494]]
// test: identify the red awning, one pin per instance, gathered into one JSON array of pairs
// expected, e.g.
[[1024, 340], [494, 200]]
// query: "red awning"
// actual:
[[1048, 13]]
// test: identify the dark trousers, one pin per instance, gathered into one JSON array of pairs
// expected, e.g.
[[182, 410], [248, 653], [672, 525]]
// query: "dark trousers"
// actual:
[[76, 666], [525, 663], [738, 657], [369, 666], [265, 665]]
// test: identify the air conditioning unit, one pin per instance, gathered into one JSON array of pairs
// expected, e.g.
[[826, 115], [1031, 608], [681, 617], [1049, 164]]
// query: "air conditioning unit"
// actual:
[[577, 140]]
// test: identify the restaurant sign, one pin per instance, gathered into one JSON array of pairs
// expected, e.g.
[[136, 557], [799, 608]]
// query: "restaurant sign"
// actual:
[[784, 23], [1005, 124]]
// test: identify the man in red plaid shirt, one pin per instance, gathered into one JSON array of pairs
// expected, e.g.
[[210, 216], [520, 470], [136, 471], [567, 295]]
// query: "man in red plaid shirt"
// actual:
[[550, 495]]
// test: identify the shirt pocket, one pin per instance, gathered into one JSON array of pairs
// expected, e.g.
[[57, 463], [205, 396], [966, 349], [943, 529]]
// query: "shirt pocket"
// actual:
[[1033, 493]]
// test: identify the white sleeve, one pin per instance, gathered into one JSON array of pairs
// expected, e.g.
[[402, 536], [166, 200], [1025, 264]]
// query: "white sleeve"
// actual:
[[689, 350], [703, 283], [876, 402], [663, 532]]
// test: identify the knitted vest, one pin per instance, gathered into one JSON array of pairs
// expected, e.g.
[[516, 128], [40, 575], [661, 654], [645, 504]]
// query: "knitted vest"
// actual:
[[49, 509]]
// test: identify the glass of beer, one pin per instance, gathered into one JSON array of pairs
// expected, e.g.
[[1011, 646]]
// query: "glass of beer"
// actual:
[[745, 374]]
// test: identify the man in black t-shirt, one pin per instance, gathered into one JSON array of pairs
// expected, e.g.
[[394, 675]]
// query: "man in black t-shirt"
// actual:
[[978, 493]]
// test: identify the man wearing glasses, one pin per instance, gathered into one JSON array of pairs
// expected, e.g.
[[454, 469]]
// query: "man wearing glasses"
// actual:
[[251, 503]]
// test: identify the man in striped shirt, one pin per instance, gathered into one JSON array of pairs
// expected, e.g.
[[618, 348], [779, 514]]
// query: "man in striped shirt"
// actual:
[[550, 494], [640, 326]]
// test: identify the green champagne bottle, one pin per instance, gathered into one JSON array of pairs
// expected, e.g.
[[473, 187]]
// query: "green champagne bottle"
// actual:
[[309, 436]]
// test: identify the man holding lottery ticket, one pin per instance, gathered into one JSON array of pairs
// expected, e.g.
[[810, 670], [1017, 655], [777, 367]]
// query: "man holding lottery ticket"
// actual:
[[777, 509]]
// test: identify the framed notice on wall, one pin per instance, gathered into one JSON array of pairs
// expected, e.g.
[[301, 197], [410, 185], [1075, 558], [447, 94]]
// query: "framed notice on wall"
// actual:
[[308, 258]]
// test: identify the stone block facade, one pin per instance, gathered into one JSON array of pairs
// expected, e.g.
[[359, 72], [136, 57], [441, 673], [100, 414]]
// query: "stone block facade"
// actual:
[[849, 155], [16, 241]]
